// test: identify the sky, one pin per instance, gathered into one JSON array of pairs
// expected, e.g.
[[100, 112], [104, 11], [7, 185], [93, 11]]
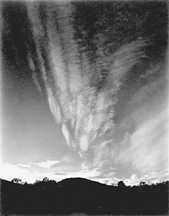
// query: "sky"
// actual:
[[84, 91]]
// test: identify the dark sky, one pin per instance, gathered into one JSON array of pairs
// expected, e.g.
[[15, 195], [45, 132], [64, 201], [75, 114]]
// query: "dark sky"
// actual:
[[84, 90]]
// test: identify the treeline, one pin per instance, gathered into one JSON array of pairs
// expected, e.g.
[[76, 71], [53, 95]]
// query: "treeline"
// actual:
[[83, 196]]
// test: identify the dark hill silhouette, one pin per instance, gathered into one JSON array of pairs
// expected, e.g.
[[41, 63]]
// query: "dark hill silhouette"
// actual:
[[83, 196]]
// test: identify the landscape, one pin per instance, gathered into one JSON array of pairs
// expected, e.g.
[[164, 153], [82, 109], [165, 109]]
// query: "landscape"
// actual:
[[84, 107], [79, 196]]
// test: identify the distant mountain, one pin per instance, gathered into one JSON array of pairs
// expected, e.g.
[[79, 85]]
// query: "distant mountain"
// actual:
[[83, 196]]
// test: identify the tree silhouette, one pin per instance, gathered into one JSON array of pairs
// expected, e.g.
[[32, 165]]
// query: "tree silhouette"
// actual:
[[142, 183], [16, 180], [121, 184], [46, 179]]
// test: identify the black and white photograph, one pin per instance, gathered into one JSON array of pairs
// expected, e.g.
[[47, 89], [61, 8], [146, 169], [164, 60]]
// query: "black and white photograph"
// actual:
[[84, 108]]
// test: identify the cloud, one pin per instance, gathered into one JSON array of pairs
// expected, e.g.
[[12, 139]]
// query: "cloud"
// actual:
[[9, 171], [46, 164], [140, 139], [84, 142], [25, 165], [150, 144], [82, 97], [66, 134], [146, 149], [102, 153], [153, 177], [54, 106], [72, 84]]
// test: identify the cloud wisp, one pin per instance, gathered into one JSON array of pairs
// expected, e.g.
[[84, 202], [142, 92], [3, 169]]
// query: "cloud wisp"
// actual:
[[46, 164]]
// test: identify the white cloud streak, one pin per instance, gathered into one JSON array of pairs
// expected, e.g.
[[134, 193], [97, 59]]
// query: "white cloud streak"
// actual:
[[46, 164], [66, 134]]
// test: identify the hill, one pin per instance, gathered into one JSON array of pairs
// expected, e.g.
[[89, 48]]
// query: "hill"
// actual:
[[84, 196]]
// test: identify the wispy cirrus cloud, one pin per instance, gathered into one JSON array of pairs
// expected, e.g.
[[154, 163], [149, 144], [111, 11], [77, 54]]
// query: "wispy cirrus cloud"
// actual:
[[141, 145], [145, 150], [80, 98]]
